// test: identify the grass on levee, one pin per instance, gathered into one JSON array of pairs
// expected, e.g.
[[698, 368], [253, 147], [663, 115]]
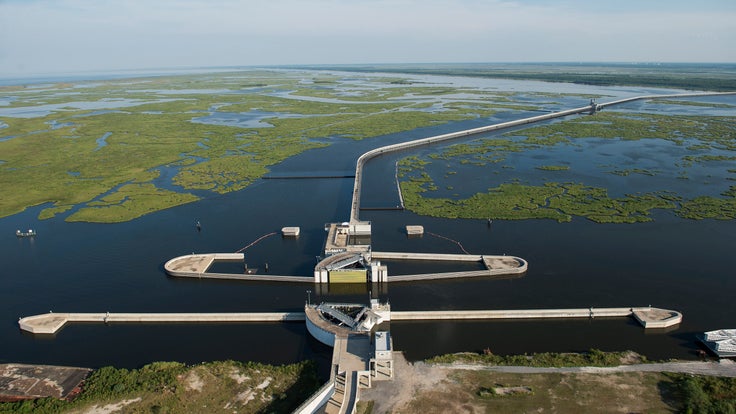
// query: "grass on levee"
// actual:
[[592, 358], [459, 389], [578, 392], [478, 391]]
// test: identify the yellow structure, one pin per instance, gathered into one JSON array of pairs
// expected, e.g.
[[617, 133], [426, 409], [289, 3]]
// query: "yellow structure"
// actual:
[[348, 276]]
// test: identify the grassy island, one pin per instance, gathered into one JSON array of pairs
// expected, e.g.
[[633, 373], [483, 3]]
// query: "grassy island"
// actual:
[[96, 151]]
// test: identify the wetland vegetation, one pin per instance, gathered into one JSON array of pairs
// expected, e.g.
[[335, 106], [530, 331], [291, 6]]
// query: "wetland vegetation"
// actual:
[[704, 140], [111, 151], [96, 150]]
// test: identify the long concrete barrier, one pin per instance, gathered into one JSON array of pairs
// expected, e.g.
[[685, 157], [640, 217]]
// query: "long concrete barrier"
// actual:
[[427, 256], [592, 108], [355, 207], [648, 317], [51, 323], [246, 277], [665, 96], [454, 275]]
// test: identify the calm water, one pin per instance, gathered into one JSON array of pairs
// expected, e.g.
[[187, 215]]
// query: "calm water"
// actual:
[[670, 263]]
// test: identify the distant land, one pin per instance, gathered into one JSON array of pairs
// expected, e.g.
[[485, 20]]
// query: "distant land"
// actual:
[[700, 76]]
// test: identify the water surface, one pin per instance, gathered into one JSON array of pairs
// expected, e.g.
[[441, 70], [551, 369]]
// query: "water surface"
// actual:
[[80, 267]]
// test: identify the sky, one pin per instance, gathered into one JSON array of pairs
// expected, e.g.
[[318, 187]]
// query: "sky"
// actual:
[[70, 36]]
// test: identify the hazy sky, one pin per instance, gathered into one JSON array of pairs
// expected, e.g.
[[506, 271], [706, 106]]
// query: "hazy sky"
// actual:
[[59, 36]]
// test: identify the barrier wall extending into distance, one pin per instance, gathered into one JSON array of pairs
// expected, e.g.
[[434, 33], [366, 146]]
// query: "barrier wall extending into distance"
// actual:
[[592, 108]]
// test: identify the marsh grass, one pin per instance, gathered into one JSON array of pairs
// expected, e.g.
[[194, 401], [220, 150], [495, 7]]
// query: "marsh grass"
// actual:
[[562, 201], [58, 158]]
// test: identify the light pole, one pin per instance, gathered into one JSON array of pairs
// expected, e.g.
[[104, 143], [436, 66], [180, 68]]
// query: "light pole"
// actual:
[[309, 297]]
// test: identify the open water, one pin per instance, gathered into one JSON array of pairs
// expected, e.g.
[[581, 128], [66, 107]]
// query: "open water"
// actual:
[[79, 267]]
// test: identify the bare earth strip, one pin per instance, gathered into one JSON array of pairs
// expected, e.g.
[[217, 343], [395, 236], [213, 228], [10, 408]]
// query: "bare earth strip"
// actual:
[[430, 388], [723, 368]]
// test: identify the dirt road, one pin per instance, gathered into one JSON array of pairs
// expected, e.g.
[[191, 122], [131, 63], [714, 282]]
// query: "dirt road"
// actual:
[[722, 368]]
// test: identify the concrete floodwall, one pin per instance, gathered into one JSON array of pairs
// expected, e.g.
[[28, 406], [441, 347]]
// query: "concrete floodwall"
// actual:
[[250, 278], [51, 323], [317, 400], [648, 317], [229, 256], [354, 211], [443, 275], [592, 108], [510, 314], [426, 256], [322, 335], [504, 265], [196, 266]]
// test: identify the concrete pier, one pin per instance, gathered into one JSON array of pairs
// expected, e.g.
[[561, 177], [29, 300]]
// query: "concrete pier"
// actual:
[[648, 317], [495, 265], [51, 323], [197, 266]]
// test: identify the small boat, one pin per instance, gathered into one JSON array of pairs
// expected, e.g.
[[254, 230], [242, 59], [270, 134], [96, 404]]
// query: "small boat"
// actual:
[[29, 233], [721, 342]]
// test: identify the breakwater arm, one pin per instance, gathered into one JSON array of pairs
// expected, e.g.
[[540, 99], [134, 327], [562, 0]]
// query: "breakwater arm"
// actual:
[[648, 316], [197, 266], [51, 323]]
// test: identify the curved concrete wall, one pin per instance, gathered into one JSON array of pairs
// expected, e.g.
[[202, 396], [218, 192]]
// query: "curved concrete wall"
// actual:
[[322, 335], [354, 211], [202, 262]]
